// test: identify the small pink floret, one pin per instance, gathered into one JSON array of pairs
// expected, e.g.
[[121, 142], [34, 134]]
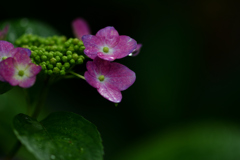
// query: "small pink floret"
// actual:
[[108, 44], [11, 68], [117, 78], [80, 28]]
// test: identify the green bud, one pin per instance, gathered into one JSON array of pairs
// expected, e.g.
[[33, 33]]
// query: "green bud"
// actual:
[[58, 58], [49, 66], [76, 47], [79, 61], [44, 58], [50, 72], [67, 44], [53, 60], [56, 70], [64, 58], [69, 53], [59, 65], [72, 61], [75, 56], [43, 66], [66, 65], [82, 48], [69, 57], [37, 58], [71, 48], [62, 72], [80, 43], [75, 41], [50, 55]]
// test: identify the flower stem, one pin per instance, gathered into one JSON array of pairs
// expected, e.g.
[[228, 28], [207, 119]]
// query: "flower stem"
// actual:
[[42, 99], [77, 75]]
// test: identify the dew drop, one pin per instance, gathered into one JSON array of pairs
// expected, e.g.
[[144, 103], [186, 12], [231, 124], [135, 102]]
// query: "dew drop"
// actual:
[[130, 54]]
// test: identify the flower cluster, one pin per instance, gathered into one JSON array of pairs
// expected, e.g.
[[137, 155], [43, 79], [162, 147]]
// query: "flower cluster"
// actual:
[[56, 55], [16, 67], [109, 78]]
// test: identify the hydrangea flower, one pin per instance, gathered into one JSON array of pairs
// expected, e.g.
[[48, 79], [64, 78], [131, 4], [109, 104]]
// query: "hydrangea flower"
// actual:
[[4, 32], [19, 70], [7, 50], [80, 28], [110, 78], [108, 45]]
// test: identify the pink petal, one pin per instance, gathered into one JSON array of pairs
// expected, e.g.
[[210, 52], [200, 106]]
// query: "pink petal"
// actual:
[[137, 50], [27, 82], [80, 28], [34, 69], [125, 46], [110, 93], [98, 67], [22, 58], [8, 71], [92, 45], [109, 36], [92, 80], [5, 47], [106, 56], [19, 50], [120, 76]]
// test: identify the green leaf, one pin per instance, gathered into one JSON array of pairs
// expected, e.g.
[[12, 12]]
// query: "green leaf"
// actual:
[[18, 27], [4, 87], [61, 136]]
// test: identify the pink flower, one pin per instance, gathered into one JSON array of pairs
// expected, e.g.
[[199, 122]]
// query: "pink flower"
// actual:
[[108, 45], [7, 50], [80, 28], [19, 70], [110, 78], [4, 32]]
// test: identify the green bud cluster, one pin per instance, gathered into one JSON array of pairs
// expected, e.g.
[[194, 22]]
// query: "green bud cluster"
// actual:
[[55, 54]]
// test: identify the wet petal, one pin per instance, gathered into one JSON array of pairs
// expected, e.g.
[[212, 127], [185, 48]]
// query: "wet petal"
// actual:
[[120, 76], [137, 50], [27, 82], [22, 58], [125, 46], [80, 28], [109, 36], [5, 47], [8, 70], [110, 93], [92, 45]]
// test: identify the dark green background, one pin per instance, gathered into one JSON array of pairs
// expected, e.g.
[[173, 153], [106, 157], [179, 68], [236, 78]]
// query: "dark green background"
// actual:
[[188, 73]]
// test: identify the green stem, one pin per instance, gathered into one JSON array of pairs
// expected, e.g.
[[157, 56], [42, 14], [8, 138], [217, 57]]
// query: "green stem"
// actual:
[[42, 98], [25, 92], [77, 75]]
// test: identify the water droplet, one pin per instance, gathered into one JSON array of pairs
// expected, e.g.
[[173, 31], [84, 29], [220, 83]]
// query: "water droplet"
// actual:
[[130, 54], [53, 157]]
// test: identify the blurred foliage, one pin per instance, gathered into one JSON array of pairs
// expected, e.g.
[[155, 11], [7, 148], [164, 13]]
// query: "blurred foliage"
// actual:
[[202, 140]]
